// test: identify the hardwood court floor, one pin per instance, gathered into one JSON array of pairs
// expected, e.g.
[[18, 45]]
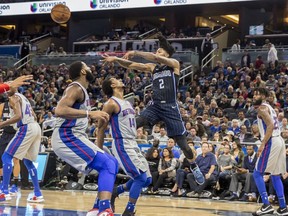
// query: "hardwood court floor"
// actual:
[[78, 202]]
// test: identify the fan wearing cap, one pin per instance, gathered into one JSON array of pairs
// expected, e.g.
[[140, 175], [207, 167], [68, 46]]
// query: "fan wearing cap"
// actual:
[[166, 72]]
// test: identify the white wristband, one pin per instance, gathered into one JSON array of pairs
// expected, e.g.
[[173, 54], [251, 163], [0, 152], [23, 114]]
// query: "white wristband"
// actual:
[[87, 113]]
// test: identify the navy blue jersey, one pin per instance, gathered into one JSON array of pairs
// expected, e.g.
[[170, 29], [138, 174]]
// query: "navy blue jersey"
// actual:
[[165, 83]]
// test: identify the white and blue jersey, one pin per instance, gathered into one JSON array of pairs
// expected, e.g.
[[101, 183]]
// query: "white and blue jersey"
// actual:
[[26, 141], [124, 145], [272, 159], [26, 111], [69, 140]]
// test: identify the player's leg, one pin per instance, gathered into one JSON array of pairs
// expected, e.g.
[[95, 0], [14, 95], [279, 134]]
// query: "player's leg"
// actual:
[[107, 167], [33, 174], [258, 174], [7, 171], [16, 173], [280, 167], [134, 193], [148, 117], [170, 114]]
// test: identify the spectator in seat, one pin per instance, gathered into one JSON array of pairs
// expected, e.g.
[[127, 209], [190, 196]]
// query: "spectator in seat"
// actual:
[[49, 123], [243, 120], [207, 164], [166, 169], [141, 137], [240, 104], [245, 173], [237, 153], [258, 62], [153, 158], [225, 164], [192, 135], [171, 146], [182, 173], [216, 127], [284, 135], [224, 103], [163, 138], [234, 127]]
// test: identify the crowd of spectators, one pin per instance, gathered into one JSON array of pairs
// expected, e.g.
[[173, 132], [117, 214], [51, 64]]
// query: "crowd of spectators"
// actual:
[[218, 114]]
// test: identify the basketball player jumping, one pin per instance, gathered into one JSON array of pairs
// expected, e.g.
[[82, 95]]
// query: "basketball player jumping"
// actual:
[[164, 106], [25, 144], [70, 142], [124, 146], [272, 158]]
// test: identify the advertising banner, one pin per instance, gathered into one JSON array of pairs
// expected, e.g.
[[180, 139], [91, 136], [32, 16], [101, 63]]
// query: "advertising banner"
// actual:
[[42, 7]]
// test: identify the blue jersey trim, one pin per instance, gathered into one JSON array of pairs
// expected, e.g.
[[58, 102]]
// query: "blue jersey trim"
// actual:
[[17, 140]]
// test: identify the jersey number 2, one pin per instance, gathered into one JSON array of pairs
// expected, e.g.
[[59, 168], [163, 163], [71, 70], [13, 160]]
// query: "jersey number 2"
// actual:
[[161, 83]]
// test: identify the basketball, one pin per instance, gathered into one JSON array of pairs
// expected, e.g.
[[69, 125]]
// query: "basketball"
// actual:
[[60, 13]]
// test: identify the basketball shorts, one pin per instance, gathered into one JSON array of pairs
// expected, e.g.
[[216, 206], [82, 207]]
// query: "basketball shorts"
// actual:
[[26, 142], [273, 157], [167, 112], [4, 141], [130, 157], [74, 148]]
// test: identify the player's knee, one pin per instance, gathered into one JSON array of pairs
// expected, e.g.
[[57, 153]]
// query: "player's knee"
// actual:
[[111, 164], [148, 182], [29, 164], [141, 121], [6, 158], [141, 179]]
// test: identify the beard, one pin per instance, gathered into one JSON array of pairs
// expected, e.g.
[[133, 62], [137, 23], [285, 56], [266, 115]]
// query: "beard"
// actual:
[[89, 77], [257, 102]]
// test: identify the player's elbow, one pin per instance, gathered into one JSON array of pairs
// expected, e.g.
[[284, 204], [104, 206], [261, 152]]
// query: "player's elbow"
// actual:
[[17, 117], [58, 111]]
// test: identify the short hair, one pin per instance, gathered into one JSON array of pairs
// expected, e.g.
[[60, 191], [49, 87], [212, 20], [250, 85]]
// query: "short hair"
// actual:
[[75, 70], [262, 91], [106, 87], [164, 44]]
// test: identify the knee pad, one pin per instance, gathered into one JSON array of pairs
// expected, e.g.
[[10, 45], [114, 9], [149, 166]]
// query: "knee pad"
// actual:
[[111, 164], [141, 179], [7, 159], [141, 121], [29, 164], [148, 182]]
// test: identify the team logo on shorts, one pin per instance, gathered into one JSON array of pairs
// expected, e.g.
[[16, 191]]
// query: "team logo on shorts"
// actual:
[[93, 4], [157, 1], [33, 7]]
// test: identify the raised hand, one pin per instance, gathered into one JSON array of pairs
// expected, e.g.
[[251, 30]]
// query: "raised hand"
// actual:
[[129, 55], [107, 59], [22, 80]]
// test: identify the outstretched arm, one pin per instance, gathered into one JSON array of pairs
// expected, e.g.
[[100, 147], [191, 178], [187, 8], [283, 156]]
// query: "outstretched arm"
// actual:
[[128, 64], [22, 80], [154, 58]]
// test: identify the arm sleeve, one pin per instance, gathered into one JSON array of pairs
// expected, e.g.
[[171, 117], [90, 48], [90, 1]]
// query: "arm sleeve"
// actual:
[[4, 87]]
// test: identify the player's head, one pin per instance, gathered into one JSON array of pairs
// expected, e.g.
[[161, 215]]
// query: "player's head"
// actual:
[[110, 85], [260, 95], [78, 69], [165, 49]]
